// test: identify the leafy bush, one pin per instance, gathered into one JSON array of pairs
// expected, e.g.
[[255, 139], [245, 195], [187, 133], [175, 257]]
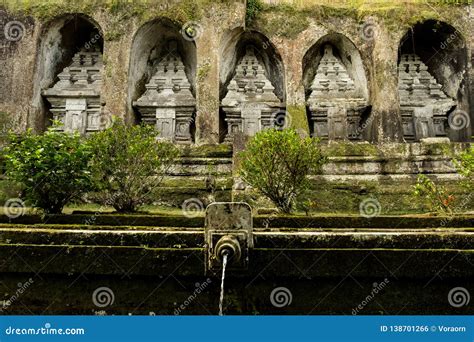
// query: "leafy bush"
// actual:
[[465, 164], [51, 167], [436, 197], [129, 163], [277, 163], [254, 7]]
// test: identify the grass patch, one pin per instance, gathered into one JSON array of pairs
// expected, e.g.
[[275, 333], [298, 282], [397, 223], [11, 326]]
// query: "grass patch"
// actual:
[[288, 18]]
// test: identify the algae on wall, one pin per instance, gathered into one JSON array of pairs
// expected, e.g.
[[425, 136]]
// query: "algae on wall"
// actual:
[[180, 11], [288, 18]]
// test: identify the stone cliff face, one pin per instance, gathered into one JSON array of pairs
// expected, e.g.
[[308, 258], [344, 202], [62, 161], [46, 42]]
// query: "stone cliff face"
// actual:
[[39, 42]]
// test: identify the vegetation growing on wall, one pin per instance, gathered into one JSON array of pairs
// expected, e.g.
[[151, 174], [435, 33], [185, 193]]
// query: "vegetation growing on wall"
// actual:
[[203, 70], [253, 8], [298, 118], [47, 9], [437, 198], [278, 162], [180, 11], [465, 164], [288, 18]]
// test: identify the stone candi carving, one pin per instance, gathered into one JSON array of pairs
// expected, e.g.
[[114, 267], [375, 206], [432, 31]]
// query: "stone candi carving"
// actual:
[[334, 103], [168, 102], [75, 98], [250, 104], [423, 104]]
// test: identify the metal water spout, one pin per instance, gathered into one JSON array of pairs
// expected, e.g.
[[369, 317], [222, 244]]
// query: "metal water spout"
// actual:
[[228, 232], [228, 246], [227, 251]]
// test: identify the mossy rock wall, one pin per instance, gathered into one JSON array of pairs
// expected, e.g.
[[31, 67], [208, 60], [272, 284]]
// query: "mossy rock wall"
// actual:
[[291, 29], [384, 173]]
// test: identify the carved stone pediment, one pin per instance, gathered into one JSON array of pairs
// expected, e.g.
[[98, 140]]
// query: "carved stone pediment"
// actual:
[[168, 102], [75, 98], [250, 103], [423, 104], [333, 102]]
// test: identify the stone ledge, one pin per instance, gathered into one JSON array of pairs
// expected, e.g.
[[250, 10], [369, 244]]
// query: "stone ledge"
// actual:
[[415, 253], [286, 263], [260, 221]]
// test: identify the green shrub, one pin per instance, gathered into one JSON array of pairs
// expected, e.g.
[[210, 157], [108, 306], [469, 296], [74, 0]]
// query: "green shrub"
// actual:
[[277, 163], [436, 197], [465, 165], [254, 7], [128, 164], [51, 167]]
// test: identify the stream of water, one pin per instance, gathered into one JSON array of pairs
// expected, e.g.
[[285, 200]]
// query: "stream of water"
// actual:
[[221, 299]]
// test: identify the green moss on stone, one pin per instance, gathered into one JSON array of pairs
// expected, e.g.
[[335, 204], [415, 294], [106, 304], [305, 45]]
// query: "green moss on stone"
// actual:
[[298, 117], [145, 10], [209, 151], [203, 71], [351, 149], [283, 19]]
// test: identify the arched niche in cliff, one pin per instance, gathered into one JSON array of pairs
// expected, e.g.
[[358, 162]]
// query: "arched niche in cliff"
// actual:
[[71, 48], [251, 84], [336, 90], [163, 71], [433, 82]]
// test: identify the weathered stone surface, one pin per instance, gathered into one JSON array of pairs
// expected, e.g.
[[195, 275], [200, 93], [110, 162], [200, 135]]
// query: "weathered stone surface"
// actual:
[[379, 55], [423, 103], [250, 104], [334, 103], [168, 102], [133, 38], [75, 98], [229, 216], [83, 254]]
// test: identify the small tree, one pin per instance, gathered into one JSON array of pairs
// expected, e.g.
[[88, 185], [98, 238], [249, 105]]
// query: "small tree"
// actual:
[[465, 165], [436, 197], [52, 167], [277, 163], [128, 163]]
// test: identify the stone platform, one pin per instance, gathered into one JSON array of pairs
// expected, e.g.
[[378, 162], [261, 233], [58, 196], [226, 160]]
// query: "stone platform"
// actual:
[[329, 269]]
